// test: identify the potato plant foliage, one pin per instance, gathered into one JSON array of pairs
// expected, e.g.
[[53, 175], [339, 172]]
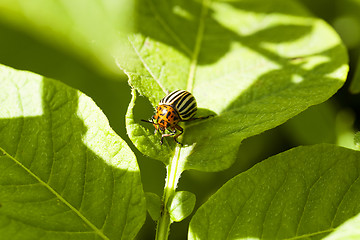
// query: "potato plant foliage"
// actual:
[[252, 65]]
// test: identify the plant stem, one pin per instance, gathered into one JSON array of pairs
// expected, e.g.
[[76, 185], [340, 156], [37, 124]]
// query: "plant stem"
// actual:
[[163, 226], [176, 165], [174, 170]]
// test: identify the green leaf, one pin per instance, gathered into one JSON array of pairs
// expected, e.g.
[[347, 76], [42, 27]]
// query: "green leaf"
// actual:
[[255, 64], [153, 205], [303, 193], [181, 205], [141, 136], [90, 29], [65, 174]]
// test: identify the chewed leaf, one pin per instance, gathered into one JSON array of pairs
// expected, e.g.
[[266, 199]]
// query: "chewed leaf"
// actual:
[[144, 139], [303, 193], [255, 64], [65, 174]]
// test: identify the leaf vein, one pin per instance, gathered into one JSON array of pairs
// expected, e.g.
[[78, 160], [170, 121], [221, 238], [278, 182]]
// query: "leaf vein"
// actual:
[[51, 133], [342, 199], [238, 214], [64, 201], [198, 42], [271, 202], [127, 212], [310, 234], [22, 120], [307, 199], [36, 226], [84, 173]]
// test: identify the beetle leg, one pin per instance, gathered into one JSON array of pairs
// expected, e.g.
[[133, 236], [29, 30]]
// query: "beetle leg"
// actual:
[[152, 121], [148, 121], [161, 140], [177, 135], [162, 136], [198, 118], [173, 132]]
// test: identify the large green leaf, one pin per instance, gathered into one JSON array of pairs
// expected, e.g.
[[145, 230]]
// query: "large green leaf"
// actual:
[[255, 64], [65, 174], [304, 193], [89, 29]]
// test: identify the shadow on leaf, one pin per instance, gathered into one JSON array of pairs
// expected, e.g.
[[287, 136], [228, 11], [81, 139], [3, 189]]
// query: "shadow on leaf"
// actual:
[[61, 177]]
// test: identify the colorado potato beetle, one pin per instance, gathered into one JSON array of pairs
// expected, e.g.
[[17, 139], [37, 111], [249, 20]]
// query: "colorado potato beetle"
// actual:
[[177, 106]]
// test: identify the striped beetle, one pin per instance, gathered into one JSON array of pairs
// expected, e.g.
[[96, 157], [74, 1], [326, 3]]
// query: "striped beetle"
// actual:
[[177, 106]]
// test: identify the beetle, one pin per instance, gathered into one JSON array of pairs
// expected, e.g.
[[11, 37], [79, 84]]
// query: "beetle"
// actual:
[[178, 106]]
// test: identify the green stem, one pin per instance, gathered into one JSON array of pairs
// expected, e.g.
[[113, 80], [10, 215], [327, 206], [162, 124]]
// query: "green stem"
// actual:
[[163, 227], [174, 170], [176, 165]]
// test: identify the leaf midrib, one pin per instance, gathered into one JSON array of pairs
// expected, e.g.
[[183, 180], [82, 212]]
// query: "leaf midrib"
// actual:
[[198, 41], [311, 234], [194, 54], [92, 226]]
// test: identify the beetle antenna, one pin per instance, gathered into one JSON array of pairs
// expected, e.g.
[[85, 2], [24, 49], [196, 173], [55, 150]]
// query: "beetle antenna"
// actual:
[[148, 121]]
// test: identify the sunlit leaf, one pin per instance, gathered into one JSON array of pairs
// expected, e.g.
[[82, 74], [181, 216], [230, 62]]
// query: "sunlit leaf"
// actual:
[[181, 205], [65, 174], [303, 193], [254, 64]]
